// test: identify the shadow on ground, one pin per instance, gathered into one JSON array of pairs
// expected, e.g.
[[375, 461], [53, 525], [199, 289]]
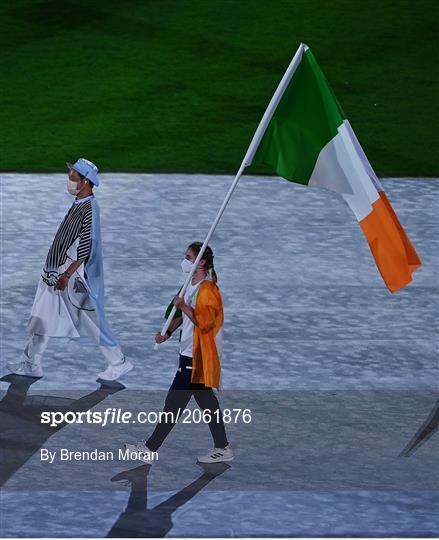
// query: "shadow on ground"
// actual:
[[139, 521], [428, 428], [23, 434]]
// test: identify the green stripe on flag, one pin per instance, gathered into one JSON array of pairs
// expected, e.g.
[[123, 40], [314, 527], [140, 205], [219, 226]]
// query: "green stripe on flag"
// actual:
[[305, 120]]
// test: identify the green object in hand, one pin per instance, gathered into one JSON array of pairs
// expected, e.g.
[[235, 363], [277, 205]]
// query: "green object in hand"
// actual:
[[178, 312]]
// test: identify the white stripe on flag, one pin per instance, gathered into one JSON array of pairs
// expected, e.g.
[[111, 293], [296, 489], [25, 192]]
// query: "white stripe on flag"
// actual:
[[340, 168]]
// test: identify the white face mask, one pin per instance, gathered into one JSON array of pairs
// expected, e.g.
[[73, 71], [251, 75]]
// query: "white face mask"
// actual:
[[72, 187], [186, 266]]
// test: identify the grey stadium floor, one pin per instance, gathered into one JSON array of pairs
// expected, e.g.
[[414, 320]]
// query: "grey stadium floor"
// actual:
[[341, 376]]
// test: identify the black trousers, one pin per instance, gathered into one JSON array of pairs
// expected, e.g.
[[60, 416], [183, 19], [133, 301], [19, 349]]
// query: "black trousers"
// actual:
[[178, 397]]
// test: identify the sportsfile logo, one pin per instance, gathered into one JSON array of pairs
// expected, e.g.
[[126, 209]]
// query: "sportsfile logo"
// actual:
[[113, 415]]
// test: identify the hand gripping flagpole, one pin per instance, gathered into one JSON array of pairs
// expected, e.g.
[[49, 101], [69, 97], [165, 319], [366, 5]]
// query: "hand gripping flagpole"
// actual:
[[203, 249], [259, 133]]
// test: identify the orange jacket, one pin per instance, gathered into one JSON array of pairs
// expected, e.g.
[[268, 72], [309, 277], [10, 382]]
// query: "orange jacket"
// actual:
[[206, 367]]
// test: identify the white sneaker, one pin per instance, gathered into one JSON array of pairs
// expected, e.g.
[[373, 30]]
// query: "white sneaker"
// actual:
[[217, 455], [115, 372], [26, 367], [142, 451]]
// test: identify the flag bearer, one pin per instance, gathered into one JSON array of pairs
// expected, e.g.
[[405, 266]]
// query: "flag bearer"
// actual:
[[199, 371]]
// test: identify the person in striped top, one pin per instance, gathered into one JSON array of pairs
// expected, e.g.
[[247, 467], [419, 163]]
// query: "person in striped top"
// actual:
[[70, 294], [76, 224]]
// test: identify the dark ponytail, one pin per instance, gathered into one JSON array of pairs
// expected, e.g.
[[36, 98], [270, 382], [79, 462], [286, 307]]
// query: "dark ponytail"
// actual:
[[207, 256]]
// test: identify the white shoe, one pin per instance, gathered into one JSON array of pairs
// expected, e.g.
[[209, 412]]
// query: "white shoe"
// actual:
[[217, 455], [142, 451], [26, 367], [115, 372]]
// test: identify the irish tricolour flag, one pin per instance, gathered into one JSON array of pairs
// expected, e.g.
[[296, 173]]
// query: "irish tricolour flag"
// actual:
[[305, 137]]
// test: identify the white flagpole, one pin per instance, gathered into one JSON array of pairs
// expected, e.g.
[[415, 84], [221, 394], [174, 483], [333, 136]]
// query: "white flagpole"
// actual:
[[274, 102], [203, 249], [259, 133]]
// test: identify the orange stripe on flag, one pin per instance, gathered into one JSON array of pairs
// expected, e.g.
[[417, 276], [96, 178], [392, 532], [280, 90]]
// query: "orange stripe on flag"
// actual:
[[394, 254]]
